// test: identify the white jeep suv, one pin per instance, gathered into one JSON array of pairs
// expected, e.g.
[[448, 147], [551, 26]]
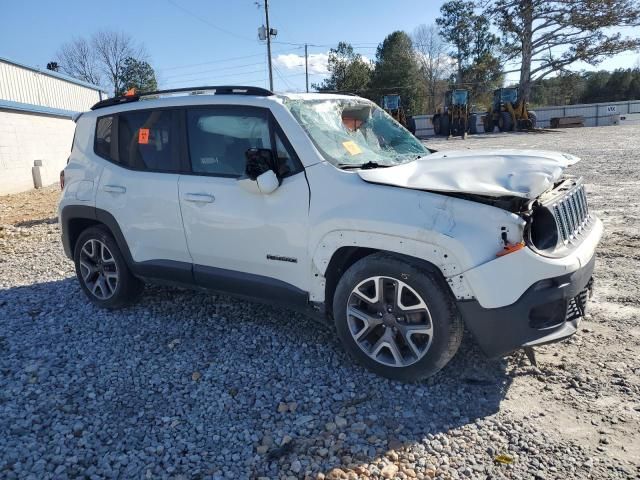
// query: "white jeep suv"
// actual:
[[325, 204]]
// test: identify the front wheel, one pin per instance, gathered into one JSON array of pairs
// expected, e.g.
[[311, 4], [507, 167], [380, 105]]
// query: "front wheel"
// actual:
[[396, 318], [473, 124], [102, 271], [436, 125], [487, 123], [505, 122]]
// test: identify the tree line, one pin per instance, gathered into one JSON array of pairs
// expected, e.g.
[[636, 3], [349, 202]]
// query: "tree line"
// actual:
[[472, 43], [588, 87]]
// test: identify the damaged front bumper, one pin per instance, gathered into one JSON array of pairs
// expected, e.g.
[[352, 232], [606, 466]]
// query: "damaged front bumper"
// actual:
[[548, 311]]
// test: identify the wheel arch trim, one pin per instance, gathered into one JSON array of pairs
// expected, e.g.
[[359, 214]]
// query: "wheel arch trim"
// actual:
[[99, 216], [441, 258]]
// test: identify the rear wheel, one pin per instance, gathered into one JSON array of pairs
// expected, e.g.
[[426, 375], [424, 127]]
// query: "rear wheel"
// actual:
[[505, 122], [102, 271], [395, 318]]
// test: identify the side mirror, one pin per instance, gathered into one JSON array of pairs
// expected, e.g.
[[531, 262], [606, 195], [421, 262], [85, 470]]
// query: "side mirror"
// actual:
[[259, 170], [268, 182], [259, 161]]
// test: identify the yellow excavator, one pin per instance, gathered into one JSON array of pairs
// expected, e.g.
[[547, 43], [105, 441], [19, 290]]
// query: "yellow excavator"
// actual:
[[454, 118], [508, 112]]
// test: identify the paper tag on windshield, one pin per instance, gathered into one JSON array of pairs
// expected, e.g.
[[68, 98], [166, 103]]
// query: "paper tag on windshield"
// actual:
[[351, 147]]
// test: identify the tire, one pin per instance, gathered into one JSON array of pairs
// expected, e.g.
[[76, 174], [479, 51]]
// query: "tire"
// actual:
[[456, 127], [473, 125], [444, 125], [533, 119], [505, 122], [487, 123], [436, 125], [367, 334], [102, 270]]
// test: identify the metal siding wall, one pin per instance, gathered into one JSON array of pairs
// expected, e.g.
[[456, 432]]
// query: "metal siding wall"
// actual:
[[22, 85], [595, 114], [26, 137]]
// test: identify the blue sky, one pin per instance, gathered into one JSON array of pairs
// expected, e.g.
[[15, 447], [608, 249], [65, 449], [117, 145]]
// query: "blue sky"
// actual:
[[200, 42]]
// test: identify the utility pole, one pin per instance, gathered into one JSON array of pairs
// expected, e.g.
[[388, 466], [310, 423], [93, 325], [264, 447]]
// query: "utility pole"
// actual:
[[266, 12], [306, 66]]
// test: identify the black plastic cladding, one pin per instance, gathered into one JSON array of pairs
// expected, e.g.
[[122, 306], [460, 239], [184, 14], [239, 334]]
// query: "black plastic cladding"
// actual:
[[219, 90]]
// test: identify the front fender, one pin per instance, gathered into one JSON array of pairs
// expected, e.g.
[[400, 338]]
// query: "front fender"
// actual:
[[442, 258]]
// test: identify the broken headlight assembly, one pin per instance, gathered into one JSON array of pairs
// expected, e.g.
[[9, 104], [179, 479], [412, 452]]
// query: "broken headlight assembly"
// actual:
[[558, 219]]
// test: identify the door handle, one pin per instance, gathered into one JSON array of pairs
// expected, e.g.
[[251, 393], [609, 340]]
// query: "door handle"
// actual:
[[198, 197], [114, 189]]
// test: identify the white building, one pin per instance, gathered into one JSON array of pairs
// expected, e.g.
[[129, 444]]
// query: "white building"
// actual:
[[36, 111]]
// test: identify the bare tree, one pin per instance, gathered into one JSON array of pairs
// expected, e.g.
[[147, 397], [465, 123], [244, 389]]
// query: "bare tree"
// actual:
[[112, 50], [436, 65], [78, 59], [101, 57]]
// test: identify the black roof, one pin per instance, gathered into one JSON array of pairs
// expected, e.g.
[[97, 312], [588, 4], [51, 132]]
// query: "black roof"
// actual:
[[218, 90]]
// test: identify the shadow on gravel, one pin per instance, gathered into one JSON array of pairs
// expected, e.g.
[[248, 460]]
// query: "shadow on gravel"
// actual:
[[203, 385]]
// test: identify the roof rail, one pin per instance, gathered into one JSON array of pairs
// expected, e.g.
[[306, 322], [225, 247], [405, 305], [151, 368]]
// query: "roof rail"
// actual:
[[218, 90]]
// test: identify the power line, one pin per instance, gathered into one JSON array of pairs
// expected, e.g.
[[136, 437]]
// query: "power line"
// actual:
[[281, 77], [228, 75], [210, 80], [209, 62], [223, 60], [207, 22], [199, 72]]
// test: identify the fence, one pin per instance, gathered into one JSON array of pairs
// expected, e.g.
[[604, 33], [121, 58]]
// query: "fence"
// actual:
[[594, 114]]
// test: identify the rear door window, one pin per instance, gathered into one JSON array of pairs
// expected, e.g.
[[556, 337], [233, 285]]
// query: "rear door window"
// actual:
[[148, 140]]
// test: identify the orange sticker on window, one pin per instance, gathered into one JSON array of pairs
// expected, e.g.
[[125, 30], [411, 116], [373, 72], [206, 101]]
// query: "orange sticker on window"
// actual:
[[143, 136], [351, 147]]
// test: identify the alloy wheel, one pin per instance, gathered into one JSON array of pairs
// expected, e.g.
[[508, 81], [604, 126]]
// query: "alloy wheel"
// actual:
[[389, 321], [98, 269]]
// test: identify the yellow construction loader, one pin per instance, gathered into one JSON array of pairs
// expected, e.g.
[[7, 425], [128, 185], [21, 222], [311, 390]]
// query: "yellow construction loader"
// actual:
[[392, 104], [508, 112], [454, 117]]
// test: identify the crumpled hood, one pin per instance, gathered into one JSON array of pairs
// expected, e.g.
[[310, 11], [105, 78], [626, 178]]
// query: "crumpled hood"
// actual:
[[494, 173]]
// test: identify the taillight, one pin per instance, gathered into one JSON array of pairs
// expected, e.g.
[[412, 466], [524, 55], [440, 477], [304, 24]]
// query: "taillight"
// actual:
[[61, 179]]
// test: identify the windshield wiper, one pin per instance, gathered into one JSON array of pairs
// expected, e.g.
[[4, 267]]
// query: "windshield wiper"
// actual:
[[363, 166]]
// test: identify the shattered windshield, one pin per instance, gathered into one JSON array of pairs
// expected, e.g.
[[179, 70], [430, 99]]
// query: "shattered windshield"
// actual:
[[355, 132]]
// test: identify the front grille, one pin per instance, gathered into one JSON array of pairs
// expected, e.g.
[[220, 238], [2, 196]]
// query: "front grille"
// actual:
[[571, 213], [577, 305]]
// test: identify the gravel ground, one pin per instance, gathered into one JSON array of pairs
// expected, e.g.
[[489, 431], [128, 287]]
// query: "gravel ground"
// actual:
[[193, 385]]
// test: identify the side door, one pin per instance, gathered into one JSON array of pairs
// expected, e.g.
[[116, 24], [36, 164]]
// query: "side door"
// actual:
[[243, 242], [139, 186]]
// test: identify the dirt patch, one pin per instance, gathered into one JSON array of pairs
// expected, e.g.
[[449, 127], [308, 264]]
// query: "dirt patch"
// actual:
[[30, 208]]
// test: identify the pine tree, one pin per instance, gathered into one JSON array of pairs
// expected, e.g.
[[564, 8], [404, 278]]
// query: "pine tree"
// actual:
[[397, 70]]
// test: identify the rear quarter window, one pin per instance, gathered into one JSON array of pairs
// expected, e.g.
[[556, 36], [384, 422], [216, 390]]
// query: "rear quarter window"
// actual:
[[102, 144]]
